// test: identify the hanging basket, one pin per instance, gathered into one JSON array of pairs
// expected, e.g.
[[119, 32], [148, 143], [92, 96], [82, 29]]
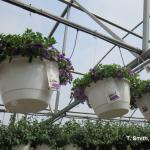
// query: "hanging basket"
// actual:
[[43, 147], [109, 98], [24, 85], [21, 147], [144, 105]]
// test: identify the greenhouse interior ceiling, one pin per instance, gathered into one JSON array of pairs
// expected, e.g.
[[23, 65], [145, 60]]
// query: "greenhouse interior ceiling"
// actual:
[[64, 17], [81, 64], [99, 60]]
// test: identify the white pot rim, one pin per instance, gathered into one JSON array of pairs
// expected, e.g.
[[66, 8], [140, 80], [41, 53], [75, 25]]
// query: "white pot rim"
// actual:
[[25, 59], [87, 89]]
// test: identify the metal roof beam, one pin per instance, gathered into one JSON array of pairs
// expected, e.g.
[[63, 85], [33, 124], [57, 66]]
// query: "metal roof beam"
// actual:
[[103, 19], [74, 25], [108, 30], [57, 23], [63, 111], [137, 61]]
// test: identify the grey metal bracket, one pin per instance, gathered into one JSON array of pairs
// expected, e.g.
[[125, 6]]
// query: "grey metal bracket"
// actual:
[[63, 111], [57, 23]]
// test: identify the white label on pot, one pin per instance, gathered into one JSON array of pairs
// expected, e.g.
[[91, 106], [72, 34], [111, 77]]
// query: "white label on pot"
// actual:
[[53, 75], [114, 96]]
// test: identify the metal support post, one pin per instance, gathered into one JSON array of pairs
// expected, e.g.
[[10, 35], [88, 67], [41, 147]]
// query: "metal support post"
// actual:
[[146, 7], [63, 50], [57, 101], [66, 31]]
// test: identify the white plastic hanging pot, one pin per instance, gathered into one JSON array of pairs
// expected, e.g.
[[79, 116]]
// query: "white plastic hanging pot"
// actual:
[[109, 98], [24, 85], [43, 147], [21, 147], [72, 147], [144, 105]]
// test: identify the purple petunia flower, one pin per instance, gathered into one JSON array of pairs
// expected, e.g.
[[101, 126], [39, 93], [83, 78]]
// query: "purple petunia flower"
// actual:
[[67, 59], [61, 56], [38, 45], [79, 94]]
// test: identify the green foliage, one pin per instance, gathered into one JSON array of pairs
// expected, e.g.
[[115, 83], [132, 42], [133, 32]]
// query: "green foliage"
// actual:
[[101, 72], [43, 133], [138, 89], [30, 44], [93, 133], [62, 138], [109, 131], [74, 133], [19, 132], [5, 140], [88, 134]]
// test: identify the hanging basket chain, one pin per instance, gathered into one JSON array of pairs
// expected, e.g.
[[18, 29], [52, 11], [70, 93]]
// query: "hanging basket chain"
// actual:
[[74, 44], [30, 11], [122, 57]]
